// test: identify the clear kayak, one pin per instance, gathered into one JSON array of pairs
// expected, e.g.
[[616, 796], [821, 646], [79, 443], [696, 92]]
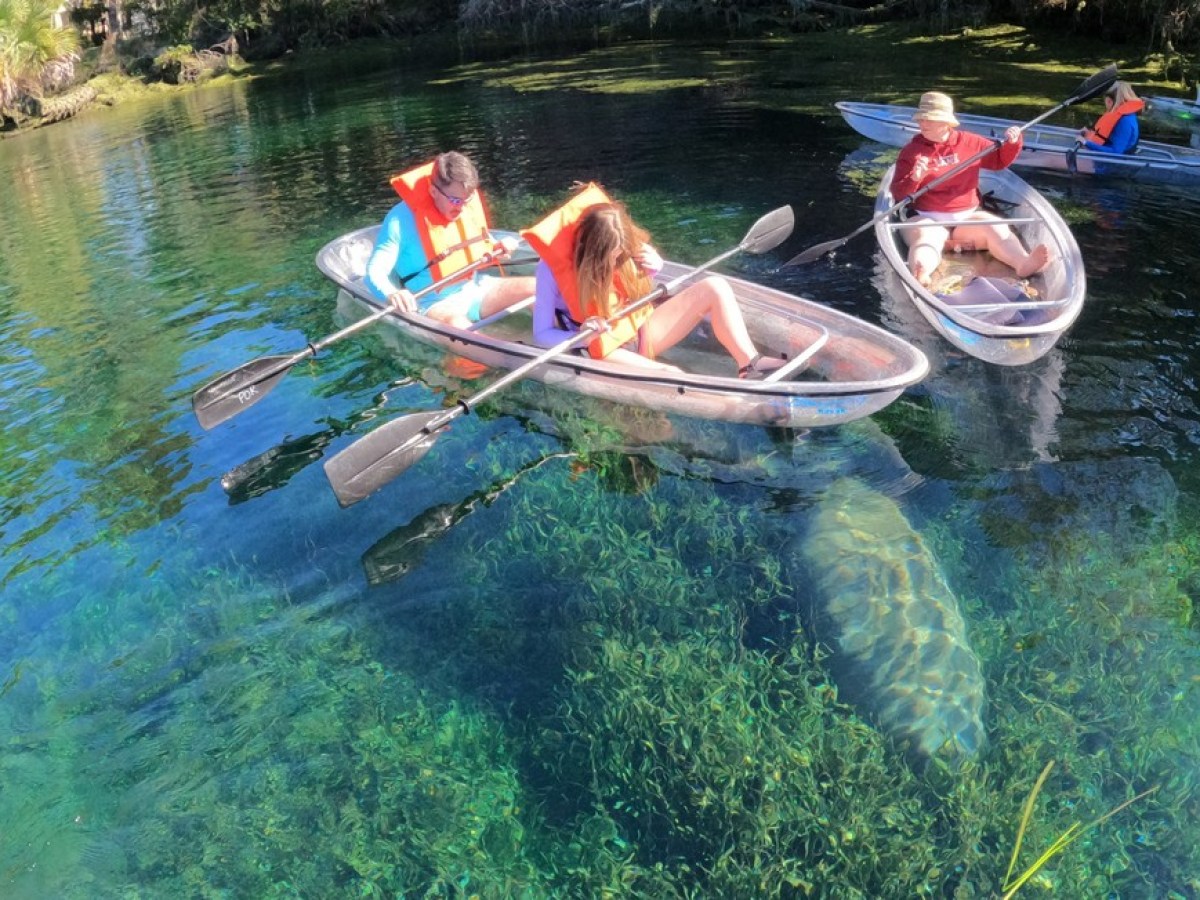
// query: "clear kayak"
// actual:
[[840, 368], [1010, 329], [1047, 147]]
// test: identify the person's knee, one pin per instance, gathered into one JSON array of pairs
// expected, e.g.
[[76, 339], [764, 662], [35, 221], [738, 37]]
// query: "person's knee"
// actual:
[[508, 291], [930, 234], [925, 250], [718, 290], [443, 312]]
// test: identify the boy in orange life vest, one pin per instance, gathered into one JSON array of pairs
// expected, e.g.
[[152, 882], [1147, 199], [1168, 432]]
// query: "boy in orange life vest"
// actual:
[[595, 260], [439, 227], [1117, 130]]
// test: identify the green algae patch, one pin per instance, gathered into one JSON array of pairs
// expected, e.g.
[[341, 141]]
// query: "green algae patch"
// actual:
[[636, 68], [265, 722]]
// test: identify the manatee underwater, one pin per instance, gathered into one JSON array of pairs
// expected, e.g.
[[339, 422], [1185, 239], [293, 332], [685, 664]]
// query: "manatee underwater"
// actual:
[[899, 642]]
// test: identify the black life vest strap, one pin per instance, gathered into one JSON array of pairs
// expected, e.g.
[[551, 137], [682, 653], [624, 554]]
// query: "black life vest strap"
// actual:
[[461, 245]]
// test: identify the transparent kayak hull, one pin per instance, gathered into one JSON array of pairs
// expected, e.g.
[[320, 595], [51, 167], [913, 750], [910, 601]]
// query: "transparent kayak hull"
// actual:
[[850, 368]]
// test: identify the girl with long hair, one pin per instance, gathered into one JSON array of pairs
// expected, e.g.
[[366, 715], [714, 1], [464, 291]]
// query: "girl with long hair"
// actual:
[[595, 261]]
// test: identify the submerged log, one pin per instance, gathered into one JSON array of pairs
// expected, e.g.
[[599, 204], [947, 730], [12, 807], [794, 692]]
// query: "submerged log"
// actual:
[[63, 106]]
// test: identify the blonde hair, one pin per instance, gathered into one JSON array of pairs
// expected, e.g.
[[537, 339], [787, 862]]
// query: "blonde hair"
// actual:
[[602, 230], [1121, 92]]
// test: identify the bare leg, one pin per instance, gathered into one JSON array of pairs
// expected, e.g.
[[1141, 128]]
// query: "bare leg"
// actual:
[[925, 251], [504, 292], [501, 294], [629, 358], [1004, 245], [712, 297], [447, 311]]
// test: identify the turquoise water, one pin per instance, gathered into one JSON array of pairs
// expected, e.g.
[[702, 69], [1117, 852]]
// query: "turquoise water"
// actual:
[[572, 651]]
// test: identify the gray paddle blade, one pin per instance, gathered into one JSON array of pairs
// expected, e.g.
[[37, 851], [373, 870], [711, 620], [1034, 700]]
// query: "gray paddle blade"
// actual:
[[816, 252], [770, 231], [225, 397], [372, 461]]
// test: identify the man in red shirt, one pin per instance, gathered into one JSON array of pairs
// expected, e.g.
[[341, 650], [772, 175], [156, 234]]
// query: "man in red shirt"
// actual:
[[952, 207]]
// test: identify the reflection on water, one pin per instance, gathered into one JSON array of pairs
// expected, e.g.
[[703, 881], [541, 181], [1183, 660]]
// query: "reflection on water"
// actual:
[[1001, 417], [594, 669]]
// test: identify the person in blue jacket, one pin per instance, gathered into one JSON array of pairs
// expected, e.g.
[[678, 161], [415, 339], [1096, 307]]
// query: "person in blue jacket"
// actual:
[[1117, 130], [439, 227]]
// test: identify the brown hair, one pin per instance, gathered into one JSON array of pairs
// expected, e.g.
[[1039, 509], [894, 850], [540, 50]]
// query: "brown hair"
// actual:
[[602, 230], [453, 167]]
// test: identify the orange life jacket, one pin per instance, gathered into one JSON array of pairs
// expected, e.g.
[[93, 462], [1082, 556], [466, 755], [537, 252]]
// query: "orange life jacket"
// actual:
[[553, 239], [448, 245], [1107, 122]]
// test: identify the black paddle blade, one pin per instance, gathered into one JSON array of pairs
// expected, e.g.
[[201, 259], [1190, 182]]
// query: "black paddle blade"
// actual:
[[1097, 84], [770, 231], [225, 397], [816, 252], [372, 461]]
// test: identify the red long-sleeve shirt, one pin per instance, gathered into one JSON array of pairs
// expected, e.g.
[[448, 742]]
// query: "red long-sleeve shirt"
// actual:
[[959, 192]]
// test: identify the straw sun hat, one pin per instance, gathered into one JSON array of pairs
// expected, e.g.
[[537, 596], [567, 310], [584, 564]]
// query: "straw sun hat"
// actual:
[[935, 107]]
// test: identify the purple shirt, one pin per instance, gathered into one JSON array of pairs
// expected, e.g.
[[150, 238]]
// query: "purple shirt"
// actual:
[[550, 310]]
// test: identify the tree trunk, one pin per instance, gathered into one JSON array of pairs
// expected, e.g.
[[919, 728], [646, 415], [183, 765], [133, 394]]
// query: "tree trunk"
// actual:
[[115, 28]]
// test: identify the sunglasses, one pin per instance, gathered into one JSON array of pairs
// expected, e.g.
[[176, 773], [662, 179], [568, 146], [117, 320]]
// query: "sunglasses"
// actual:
[[452, 200]]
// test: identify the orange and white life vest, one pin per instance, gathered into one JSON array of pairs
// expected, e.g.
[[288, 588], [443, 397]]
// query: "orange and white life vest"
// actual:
[[553, 239], [1107, 122], [448, 245]]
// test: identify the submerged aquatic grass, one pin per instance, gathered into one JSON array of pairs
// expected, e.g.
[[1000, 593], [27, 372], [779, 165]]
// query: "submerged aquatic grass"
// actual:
[[1064, 840], [615, 693]]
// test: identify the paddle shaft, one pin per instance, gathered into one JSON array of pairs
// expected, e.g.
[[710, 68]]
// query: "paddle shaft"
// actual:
[[1082, 93], [997, 143], [316, 346], [486, 260], [663, 290], [1092, 86], [243, 382], [483, 262]]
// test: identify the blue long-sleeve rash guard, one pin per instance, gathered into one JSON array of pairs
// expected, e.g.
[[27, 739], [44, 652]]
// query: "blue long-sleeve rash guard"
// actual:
[[399, 251], [1123, 139]]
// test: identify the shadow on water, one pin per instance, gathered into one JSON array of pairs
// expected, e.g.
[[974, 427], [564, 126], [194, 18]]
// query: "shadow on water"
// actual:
[[274, 468]]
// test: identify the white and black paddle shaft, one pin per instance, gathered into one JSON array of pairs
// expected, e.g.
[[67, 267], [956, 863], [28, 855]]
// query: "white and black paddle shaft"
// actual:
[[1097, 84], [224, 397], [374, 460]]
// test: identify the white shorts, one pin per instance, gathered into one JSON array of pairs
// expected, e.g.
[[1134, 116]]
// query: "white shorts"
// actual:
[[950, 218]]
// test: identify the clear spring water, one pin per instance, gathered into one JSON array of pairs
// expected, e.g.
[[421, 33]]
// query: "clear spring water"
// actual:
[[215, 682]]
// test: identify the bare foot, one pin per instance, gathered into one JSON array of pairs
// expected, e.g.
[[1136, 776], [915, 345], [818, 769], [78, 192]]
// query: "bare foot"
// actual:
[[761, 366], [924, 278], [769, 363], [1039, 257]]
